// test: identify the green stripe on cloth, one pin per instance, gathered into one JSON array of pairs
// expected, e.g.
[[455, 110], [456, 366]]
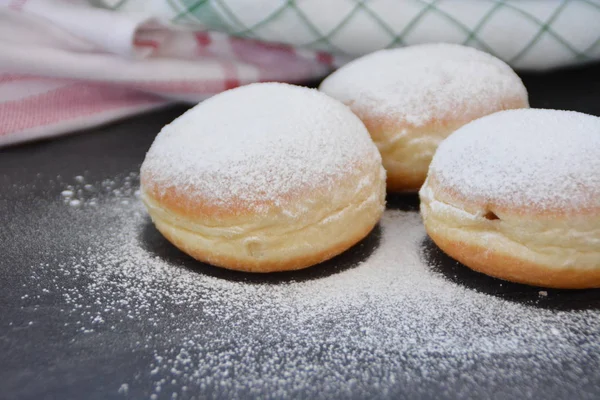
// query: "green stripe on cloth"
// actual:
[[222, 15], [543, 29]]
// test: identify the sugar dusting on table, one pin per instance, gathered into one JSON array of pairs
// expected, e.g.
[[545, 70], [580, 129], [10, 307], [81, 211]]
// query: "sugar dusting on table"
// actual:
[[388, 322]]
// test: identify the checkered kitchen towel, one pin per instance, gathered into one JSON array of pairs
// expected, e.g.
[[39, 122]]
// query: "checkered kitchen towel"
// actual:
[[71, 64]]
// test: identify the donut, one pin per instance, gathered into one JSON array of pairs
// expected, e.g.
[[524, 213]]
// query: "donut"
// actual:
[[516, 195], [262, 178], [412, 98]]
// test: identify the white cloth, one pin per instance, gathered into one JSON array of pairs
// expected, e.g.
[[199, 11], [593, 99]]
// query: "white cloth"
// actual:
[[72, 64]]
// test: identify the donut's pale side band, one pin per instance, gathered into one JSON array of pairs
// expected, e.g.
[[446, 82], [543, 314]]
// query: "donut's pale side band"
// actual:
[[538, 251], [263, 244]]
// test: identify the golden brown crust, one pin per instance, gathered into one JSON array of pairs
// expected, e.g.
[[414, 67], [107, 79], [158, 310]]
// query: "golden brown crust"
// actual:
[[404, 181], [194, 204], [453, 120], [515, 269]]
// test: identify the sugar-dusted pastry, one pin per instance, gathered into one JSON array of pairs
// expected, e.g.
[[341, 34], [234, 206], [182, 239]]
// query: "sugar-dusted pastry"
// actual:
[[412, 98], [516, 195], [265, 177]]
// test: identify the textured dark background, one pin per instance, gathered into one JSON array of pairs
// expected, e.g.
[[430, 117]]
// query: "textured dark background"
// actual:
[[46, 363]]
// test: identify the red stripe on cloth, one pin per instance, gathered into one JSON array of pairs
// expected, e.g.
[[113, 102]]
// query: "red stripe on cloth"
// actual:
[[203, 39], [5, 78], [173, 87], [261, 47], [146, 43], [273, 62], [169, 87], [231, 76], [67, 103], [325, 58], [17, 4]]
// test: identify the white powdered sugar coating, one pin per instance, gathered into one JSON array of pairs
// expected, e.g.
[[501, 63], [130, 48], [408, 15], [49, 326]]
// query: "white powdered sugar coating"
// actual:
[[386, 325], [259, 143], [544, 159], [421, 84]]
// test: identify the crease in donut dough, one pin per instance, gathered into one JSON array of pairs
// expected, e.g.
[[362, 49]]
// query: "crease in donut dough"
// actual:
[[407, 152], [241, 231], [262, 244], [285, 222], [544, 241]]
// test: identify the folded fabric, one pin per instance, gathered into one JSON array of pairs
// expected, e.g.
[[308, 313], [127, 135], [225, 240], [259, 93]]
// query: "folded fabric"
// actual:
[[528, 34], [72, 64]]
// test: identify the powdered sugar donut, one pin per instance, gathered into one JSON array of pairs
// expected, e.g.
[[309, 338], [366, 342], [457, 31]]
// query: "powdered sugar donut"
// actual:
[[516, 195], [412, 98], [265, 177]]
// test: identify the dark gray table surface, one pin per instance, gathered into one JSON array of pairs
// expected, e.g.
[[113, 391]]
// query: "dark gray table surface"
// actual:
[[51, 363]]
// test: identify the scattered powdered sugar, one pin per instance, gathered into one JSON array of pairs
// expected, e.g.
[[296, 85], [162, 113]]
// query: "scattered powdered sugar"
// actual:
[[537, 158], [426, 83], [384, 322], [79, 193], [258, 143]]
